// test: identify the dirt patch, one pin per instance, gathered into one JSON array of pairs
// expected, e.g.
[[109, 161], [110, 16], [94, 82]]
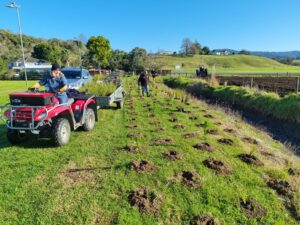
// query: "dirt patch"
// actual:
[[200, 125], [229, 130], [179, 126], [173, 155], [226, 141], [193, 117], [212, 131], [135, 135], [132, 119], [145, 200], [204, 220], [191, 179], [76, 175], [151, 115], [220, 167], [159, 129], [250, 159], [133, 127], [163, 141], [218, 123], [204, 147], [250, 140], [130, 148], [180, 109], [141, 166], [208, 116], [252, 208], [173, 120], [133, 113], [281, 187], [191, 135], [155, 123]]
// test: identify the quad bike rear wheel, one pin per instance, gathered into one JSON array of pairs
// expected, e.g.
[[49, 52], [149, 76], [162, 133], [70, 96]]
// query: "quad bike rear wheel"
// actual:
[[61, 132], [90, 119], [16, 137]]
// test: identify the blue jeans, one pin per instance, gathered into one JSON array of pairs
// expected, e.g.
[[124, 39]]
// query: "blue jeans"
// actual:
[[145, 89], [62, 97]]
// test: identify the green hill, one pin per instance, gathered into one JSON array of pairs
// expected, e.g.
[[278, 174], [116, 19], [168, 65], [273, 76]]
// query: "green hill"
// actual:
[[230, 63]]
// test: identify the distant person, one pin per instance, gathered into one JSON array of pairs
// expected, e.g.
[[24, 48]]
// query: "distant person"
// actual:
[[55, 83], [153, 73], [143, 82]]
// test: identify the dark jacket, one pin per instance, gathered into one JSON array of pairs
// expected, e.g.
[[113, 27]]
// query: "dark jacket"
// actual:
[[143, 79]]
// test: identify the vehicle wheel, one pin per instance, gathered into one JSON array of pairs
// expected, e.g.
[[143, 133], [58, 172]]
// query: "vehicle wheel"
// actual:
[[120, 105], [61, 132], [15, 137], [89, 121]]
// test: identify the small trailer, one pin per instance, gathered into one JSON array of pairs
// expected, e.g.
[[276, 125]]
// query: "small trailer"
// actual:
[[116, 97]]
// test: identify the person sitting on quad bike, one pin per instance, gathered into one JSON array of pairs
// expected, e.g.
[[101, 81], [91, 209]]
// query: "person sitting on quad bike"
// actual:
[[55, 83]]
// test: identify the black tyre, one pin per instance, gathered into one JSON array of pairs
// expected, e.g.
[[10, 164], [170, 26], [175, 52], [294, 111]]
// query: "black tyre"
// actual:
[[120, 105], [61, 132], [15, 137], [89, 121]]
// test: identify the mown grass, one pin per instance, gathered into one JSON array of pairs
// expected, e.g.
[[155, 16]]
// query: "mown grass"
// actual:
[[285, 108], [37, 180], [231, 63]]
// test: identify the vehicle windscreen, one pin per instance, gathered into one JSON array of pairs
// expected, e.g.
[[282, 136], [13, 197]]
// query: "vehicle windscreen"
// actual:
[[72, 74]]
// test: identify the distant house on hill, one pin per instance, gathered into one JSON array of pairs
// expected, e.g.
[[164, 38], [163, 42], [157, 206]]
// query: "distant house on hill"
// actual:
[[221, 52], [163, 52]]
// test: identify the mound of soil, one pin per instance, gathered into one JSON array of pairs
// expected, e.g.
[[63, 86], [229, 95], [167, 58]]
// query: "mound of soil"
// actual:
[[203, 110], [191, 135], [132, 119], [208, 116], [250, 159], [252, 208], [135, 135], [218, 123], [133, 127], [250, 140], [180, 109], [188, 112], [220, 167], [173, 120], [155, 123], [145, 200], [203, 220], [163, 141], [193, 117], [151, 115], [204, 147], [281, 187], [191, 179], [130, 148], [141, 166], [212, 131], [199, 125], [226, 141], [159, 129], [179, 126], [173, 155], [229, 130]]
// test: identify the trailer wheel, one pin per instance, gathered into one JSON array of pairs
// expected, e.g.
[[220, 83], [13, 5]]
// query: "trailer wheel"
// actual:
[[61, 132], [89, 121], [120, 104], [15, 137]]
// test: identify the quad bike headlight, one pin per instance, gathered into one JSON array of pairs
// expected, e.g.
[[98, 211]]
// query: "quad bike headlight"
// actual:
[[42, 116]]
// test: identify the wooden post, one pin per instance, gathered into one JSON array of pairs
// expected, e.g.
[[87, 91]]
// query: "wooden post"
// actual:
[[297, 87], [251, 82]]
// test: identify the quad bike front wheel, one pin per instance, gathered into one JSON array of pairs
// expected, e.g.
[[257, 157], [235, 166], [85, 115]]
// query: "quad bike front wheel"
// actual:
[[61, 132], [16, 137]]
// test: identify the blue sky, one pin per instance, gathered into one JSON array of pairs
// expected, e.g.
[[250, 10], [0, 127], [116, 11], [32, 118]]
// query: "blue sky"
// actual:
[[269, 25]]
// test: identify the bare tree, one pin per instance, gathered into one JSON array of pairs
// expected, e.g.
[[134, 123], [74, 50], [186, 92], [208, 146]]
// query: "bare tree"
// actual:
[[186, 46]]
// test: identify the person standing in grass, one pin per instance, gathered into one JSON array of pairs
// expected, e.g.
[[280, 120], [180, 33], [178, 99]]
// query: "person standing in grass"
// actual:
[[143, 82]]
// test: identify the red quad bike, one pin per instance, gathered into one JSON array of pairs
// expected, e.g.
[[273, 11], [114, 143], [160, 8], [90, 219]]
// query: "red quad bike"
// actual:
[[40, 113]]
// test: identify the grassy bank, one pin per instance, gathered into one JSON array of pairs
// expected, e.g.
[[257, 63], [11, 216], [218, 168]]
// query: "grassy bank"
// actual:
[[285, 108], [231, 63]]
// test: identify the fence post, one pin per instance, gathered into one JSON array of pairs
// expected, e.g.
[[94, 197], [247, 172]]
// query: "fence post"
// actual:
[[251, 82], [297, 87]]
